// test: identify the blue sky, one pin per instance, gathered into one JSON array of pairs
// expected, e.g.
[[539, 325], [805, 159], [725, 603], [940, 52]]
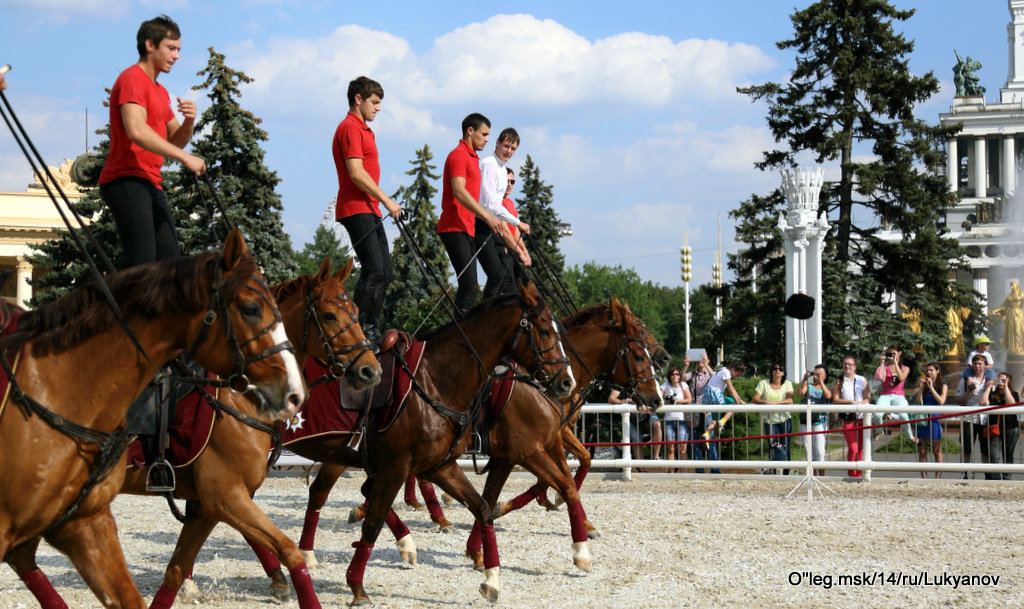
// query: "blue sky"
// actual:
[[630, 112]]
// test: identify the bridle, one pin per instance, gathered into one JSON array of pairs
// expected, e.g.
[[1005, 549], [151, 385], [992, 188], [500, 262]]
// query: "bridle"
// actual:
[[311, 318], [238, 381], [528, 328], [622, 358]]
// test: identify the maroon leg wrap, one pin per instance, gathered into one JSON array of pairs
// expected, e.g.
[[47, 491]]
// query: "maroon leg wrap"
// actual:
[[398, 528], [164, 598], [306, 541], [41, 588], [266, 557], [356, 568], [490, 548], [410, 490], [303, 585], [581, 473], [576, 522], [475, 540]]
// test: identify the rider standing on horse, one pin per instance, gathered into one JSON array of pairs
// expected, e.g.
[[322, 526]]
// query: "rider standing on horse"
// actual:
[[496, 258], [359, 198], [460, 207], [144, 130]]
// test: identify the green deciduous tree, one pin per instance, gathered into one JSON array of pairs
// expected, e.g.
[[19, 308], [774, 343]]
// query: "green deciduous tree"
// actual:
[[325, 244], [229, 141], [852, 93], [410, 299]]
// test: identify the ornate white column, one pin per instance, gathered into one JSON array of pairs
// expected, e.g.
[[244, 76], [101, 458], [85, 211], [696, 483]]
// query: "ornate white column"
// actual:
[[803, 233], [1008, 167], [24, 290], [980, 168], [979, 282], [952, 165]]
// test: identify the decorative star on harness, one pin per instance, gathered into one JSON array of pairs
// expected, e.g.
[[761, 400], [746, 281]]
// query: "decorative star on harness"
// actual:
[[295, 423]]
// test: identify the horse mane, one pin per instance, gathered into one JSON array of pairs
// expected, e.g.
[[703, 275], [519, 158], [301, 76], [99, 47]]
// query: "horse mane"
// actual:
[[283, 291], [597, 313], [494, 302], [176, 285]]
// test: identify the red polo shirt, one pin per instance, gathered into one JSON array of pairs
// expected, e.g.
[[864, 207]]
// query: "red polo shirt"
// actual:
[[353, 139], [125, 158], [462, 162], [510, 206]]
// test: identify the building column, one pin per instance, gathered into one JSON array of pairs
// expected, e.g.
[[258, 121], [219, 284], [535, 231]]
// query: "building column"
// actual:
[[979, 280], [1009, 167], [952, 165], [980, 168], [24, 290]]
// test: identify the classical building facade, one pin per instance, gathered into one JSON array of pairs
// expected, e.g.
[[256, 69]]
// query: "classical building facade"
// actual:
[[983, 165], [27, 218]]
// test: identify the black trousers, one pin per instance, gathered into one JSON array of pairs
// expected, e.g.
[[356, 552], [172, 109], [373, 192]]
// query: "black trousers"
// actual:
[[370, 243], [461, 247], [496, 261], [144, 221]]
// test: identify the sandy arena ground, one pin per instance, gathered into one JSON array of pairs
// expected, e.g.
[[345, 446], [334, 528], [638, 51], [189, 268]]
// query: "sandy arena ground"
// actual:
[[664, 542]]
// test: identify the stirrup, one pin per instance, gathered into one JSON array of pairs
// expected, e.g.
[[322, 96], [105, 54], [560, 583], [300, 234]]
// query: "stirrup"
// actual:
[[356, 439], [476, 444], [160, 477]]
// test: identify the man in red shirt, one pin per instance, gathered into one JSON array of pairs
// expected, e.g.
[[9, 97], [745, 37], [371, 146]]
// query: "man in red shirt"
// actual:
[[144, 130], [460, 207], [359, 198]]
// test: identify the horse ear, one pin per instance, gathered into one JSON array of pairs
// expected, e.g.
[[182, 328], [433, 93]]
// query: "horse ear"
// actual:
[[343, 273], [528, 293], [234, 249], [324, 272]]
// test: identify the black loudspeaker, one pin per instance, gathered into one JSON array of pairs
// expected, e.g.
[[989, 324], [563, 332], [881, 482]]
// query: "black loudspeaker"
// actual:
[[800, 306]]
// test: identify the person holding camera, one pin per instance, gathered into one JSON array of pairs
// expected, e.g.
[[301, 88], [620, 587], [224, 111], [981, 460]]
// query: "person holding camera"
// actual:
[[676, 391], [852, 388], [1003, 430], [777, 390], [892, 374], [814, 387], [974, 391]]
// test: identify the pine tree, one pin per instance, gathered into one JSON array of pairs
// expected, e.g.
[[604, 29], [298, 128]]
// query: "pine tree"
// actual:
[[411, 298], [230, 145], [65, 265], [852, 92], [325, 244], [535, 208]]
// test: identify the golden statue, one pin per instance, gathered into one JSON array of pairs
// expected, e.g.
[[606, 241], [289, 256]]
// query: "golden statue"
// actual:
[[955, 318], [1011, 312], [913, 319]]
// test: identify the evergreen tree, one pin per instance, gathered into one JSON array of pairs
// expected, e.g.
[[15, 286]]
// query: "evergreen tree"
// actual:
[[325, 243], [852, 91], [61, 257], [410, 299], [230, 145], [535, 208]]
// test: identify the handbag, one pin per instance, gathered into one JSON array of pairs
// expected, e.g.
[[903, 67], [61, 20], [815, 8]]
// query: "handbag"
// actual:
[[990, 431]]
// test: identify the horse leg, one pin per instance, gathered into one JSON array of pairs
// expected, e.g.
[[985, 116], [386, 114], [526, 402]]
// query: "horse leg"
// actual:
[[319, 491], [452, 480], [498, 472], [380, 492], [410, 494], [191, 539], [434, 506], [522, 500], [403, 536], [23, 560], [279, 585], [572, 443], [550, 467], [92, 546]]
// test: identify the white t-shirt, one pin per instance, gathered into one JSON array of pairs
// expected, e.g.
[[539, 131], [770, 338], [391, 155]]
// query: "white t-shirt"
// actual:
[[972, 399], [718, 381]]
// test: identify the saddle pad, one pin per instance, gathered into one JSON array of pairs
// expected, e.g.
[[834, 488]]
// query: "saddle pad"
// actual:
[[189, 433], [501, 393], [322, 413], [402, 383]]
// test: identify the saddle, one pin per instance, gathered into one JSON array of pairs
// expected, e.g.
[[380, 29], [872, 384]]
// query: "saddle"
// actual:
[[393, 346]]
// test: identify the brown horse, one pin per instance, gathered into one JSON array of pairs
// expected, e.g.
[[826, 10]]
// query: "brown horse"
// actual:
[[60, 445], [429, 432], [605, 340]]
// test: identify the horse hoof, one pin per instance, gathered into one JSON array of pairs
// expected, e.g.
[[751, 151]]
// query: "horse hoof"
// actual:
[[489, 593], [283, 594], [558, 501], [593, 534], [310, 557], [446, 499], [356, 514], [551, 507], [189, 591], [409, 557], [583, 564], [477, 558], [444, 526], [414, 505], [360, 601]]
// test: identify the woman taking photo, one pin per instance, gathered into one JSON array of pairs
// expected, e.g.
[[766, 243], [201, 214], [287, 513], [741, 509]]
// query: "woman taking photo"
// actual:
[[933, 393], [776, 390]]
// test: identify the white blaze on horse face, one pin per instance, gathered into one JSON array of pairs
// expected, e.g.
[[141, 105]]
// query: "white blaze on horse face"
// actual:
[[295, 386], [561, 351]]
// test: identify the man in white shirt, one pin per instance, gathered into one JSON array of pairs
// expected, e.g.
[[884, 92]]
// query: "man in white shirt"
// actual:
[[495, 257]]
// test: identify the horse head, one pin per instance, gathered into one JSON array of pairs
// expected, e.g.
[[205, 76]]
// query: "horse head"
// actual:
[[660, 356], [542, 352], [324, 324], [634, 367], [254, 348]]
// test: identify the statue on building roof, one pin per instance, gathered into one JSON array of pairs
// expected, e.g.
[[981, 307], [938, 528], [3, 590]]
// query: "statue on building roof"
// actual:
[[964, 77]]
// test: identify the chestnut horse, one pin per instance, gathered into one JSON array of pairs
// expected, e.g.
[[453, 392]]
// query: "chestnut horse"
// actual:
[[60, 444], [430, 430], [606, 340]]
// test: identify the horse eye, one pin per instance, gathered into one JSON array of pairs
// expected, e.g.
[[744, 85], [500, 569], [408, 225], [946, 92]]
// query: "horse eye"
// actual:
[[329, 316], [249, 309]]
